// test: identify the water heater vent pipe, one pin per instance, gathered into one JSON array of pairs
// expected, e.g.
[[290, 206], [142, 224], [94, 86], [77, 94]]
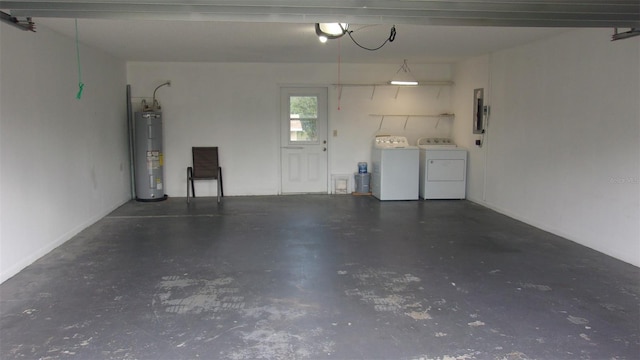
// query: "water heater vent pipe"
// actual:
[[156, 104]]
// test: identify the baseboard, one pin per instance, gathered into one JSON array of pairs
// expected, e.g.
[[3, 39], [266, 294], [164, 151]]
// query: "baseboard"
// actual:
[[544, 227], [20, 265]]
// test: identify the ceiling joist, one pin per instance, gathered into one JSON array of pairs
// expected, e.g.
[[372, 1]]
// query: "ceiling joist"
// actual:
[[507, 13]]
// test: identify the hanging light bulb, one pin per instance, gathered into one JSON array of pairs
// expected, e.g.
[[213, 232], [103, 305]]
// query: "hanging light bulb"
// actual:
[[331, 30]]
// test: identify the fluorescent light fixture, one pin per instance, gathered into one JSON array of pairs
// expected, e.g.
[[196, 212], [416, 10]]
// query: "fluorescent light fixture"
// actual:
[[403, 76], [403, 83], [331, 30]]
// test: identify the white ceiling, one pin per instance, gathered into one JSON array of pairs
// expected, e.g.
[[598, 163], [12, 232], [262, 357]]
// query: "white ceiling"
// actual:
[[222, 41]]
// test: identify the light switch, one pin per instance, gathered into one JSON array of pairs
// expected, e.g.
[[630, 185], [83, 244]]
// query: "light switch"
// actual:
[[335, 133]]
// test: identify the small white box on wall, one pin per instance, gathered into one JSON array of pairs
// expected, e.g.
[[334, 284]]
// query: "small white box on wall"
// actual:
[[340, 184]]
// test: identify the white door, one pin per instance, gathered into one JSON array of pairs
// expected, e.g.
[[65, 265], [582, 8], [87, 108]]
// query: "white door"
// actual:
[[303, 149]]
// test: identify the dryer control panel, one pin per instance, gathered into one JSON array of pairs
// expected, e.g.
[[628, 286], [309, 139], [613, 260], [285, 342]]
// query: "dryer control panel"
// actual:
[[390, 142], [435, 141], [429, 143]]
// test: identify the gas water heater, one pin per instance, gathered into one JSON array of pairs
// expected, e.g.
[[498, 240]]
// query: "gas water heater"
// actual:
[[149, 158]]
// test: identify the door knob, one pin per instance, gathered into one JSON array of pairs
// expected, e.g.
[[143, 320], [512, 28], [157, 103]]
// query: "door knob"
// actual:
[[324, 149]]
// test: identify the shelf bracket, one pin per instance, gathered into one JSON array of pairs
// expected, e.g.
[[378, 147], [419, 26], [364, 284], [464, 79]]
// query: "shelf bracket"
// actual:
[[381, 121], [373, 91]]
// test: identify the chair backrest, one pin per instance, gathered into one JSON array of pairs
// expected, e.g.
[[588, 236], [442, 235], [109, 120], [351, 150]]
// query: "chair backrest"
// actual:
[[205, 162]]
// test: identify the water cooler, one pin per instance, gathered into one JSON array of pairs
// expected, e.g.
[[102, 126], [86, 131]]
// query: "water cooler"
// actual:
[[149, 162], [362, 179]]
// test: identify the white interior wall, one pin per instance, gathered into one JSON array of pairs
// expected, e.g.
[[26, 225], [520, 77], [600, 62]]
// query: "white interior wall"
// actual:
[[237, 107], [2, 277], [63, 161], [563, 143], [469, 75]]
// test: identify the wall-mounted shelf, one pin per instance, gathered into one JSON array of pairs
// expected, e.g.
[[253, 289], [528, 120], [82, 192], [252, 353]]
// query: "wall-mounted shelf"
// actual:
[[416, 115], [420, 83], [374, 86], [407, 116]]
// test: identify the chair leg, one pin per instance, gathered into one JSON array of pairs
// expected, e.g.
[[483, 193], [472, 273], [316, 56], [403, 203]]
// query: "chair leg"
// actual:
[[190, 179], [219, 181]]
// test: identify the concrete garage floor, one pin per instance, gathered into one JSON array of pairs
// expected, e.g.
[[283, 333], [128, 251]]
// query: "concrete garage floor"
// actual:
[[319, 277]]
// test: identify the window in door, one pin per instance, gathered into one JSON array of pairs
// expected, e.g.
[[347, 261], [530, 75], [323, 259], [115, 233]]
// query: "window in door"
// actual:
[[303, 119]]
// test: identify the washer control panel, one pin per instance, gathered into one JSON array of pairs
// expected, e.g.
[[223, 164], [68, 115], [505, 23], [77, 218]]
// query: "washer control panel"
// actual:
[[391, 141]]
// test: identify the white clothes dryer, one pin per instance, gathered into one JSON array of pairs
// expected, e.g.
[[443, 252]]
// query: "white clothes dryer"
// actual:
[[395, 169], [443, 169]]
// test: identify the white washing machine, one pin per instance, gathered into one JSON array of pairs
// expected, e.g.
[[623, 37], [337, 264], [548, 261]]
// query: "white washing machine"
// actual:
[[443, 169], [395, 169]]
